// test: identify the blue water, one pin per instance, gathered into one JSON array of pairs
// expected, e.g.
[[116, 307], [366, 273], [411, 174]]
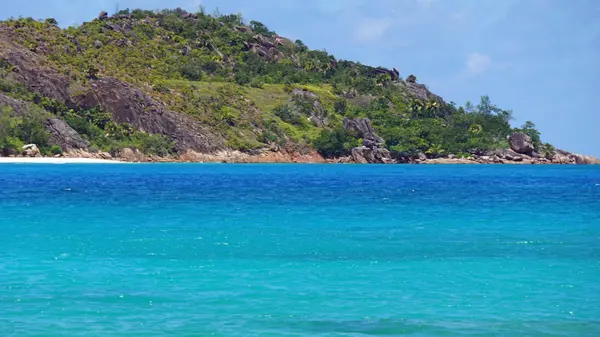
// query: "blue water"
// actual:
[[299, 250]]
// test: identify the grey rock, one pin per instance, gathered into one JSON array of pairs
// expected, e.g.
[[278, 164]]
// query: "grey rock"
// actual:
[[364, 130], [98, 44], [31, 150], [521, 143], [586, 160], [373, 150], [364, 155], [103, 15], [128, 104], [302, 98], [61, 134], [18, 107]]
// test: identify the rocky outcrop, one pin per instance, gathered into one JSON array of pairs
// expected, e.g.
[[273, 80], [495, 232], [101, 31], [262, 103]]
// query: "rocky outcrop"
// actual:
[[31, 150], [393, 73], [103, 15], [30, 70], [264, 47], [317, 114], [19, 107], [372, 155], [134, 156], [521, 143], [586, 160], [128, 104], [373, 149], [61, 134]]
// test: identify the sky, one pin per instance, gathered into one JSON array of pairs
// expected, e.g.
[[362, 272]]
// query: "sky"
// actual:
[[539, 58]]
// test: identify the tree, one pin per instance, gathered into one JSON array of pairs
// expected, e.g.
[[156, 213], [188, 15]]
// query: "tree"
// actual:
[[259, 28], [300, 46], [485, 106], [51, 21], [530, 129], [335, 143]]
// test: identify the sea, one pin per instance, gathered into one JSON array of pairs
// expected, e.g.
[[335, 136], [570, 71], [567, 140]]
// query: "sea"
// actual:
[[299, 250]]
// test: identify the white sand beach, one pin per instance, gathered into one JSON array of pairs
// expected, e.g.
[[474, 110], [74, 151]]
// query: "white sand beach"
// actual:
[[47, 160]]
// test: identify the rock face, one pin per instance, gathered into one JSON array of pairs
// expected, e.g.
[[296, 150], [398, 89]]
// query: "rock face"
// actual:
[[30, 71], [586, 160], [17, 106], [128, 104], [31, 150], [521, 143], [318, 115], [130, 155], [125, 102], [373, 149], [61, 134]]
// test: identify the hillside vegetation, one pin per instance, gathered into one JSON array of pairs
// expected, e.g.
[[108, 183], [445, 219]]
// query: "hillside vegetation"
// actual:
[[171, 81]]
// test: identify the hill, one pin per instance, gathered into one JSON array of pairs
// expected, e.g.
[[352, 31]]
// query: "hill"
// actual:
[[174, 85]]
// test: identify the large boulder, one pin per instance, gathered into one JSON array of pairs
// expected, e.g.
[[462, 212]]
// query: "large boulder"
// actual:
[[31, 150], [373, 149], [61, 134], [521, 143], [364, 155], [583, 159], [132, 155], [363, 128]]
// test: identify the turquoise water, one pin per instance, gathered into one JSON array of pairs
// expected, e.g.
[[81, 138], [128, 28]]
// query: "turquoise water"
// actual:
[[299, 250]]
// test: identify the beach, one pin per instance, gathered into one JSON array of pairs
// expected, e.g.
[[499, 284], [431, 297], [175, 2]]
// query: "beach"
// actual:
[[61, 160]]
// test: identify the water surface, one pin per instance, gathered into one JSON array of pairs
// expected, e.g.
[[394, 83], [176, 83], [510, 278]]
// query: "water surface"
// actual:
[[299, 250]]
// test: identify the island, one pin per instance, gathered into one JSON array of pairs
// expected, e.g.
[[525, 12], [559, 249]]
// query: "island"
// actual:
[[175, 86]]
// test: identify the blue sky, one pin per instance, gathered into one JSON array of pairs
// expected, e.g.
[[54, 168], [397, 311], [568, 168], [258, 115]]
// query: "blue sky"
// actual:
[[540, 58]]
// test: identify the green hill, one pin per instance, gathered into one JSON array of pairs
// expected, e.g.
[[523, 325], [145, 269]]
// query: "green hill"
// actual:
[[170, 82]]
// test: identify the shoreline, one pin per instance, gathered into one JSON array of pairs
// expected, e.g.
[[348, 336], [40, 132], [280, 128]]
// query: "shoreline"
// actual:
[[60, 160], [232, 157], [82, 160]]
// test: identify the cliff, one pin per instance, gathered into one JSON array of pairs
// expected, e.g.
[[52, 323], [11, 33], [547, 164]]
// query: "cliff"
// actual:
[[173, 85]]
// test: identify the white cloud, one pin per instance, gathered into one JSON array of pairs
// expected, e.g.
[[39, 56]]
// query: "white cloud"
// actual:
[[370, 30], [478, 63]]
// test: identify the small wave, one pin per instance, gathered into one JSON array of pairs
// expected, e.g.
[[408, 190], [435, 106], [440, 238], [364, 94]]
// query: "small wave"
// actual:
[[525, 242]]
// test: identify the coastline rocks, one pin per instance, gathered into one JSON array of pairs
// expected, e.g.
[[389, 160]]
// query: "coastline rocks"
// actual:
[[61, 134], [373, 149], [130, 155], [364, 155], [586, 160], [521, 143], [31, 150]]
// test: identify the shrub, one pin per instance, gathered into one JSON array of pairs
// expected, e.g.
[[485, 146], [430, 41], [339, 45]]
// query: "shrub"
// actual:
[[336, 142], [55, 149]]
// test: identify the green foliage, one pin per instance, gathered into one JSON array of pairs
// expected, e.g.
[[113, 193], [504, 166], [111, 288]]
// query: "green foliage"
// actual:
[[547, 150], [336, 142], [16, 131], [530, 129], [260, 28], [215, 69]]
